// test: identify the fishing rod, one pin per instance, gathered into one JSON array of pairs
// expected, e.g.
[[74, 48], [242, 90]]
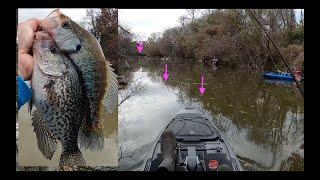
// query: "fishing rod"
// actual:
[[252, 14]]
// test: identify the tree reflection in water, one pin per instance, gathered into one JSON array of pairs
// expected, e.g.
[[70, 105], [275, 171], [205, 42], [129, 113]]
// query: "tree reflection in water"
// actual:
[[264, 123]]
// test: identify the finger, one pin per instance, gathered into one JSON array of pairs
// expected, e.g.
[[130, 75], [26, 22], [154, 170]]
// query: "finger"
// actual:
[[26, 33], [25, 65], [33, 23]]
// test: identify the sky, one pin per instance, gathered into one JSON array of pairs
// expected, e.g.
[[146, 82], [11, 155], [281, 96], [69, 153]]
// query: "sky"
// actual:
[[25, 14], [142, 22], [146, 21]]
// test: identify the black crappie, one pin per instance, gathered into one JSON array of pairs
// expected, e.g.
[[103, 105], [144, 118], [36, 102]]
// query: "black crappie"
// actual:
[[58, 97], [100, 83]]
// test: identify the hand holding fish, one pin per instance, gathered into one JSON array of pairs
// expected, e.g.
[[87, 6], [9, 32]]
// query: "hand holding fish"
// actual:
[[73, 84], [26, 34]]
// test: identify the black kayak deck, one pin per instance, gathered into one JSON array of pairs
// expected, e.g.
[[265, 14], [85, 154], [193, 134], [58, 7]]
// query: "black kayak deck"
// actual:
[[195, 132]]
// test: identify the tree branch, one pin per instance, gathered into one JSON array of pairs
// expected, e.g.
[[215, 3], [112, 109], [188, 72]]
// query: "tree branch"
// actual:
[[131, 92]]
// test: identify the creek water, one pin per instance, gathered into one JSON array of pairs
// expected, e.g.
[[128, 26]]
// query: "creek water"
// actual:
[[262, 121]]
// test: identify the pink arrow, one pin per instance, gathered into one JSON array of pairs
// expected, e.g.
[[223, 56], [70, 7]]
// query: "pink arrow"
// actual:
[[202, 89], [140, 47], [166, 74]]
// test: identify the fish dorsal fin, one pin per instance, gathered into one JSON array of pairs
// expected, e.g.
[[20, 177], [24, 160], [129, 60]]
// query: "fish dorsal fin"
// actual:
[[110, 98], [54, 13], [47, 144]]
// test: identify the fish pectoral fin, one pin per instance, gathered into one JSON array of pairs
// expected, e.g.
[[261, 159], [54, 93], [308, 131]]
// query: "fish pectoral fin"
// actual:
[[47, 144], [110, 100]]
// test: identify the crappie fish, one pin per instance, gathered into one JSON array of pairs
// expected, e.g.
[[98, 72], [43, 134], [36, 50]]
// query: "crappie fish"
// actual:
[[58, 97], [100, 82]]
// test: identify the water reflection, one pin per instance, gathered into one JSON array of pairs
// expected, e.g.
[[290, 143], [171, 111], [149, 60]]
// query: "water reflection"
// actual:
[[262, 122]]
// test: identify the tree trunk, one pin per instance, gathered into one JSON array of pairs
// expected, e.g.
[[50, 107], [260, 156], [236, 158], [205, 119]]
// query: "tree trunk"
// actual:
[[272, 21], [282, 13], [301, 18], [292, 19]]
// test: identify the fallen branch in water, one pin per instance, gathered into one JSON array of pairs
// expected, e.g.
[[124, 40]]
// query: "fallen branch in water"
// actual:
[[122, 152], [136, 89]]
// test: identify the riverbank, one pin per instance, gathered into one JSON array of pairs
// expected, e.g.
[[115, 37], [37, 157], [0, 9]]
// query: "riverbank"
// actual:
[[235, 39]]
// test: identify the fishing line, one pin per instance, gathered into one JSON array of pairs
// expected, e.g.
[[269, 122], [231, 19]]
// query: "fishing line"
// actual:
[[268, 52], [265, 46], [260, 36], [252, 15]]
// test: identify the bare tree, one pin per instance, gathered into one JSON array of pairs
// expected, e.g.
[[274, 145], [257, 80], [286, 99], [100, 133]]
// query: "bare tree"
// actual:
[[301, 18], [292, 19], [92, 14], [191, 13], [207, 12]]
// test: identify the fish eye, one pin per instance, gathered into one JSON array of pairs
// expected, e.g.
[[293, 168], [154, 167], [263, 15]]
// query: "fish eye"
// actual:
[[66, 25]]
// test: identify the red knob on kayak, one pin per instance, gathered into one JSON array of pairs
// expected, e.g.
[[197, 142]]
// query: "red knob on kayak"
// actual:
[[213, 164]]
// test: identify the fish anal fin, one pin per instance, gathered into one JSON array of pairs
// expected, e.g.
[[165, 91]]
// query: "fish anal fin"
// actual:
[[47, 144]]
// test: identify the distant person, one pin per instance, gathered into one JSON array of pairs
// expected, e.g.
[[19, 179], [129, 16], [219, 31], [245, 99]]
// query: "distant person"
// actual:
[[214, 63], [297, 73]]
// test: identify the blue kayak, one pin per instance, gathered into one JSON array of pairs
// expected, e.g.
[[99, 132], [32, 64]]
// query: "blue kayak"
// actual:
[[280, 76]]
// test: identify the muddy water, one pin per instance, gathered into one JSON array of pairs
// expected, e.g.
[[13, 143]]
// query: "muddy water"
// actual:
[[29, 154], [262, 121]]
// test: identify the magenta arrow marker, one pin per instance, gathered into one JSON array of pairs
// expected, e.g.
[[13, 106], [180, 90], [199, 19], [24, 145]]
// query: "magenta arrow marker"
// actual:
[[202, 89], [140, 47], [166, 74]]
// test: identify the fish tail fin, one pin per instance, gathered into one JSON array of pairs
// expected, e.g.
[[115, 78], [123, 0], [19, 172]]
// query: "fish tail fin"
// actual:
[[90, 138], [71, 157]]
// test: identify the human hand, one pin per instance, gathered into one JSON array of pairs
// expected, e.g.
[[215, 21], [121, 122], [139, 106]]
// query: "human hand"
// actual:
[[26, 35]]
